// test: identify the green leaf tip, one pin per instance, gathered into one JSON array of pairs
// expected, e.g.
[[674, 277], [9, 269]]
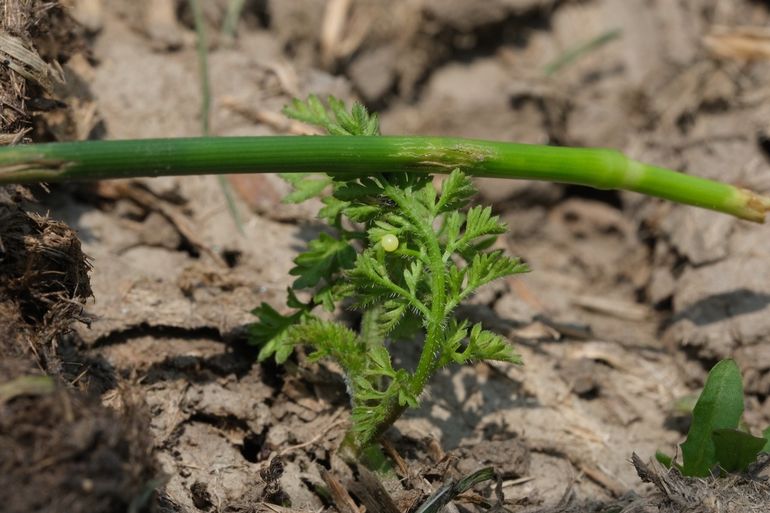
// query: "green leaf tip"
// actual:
[[333, 117]]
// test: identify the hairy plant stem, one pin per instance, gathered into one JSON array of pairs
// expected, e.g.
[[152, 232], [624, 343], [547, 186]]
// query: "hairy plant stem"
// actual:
[[356, 156], [370, 332], [430, 356], [355, 446], [352, 446], [435, 329]]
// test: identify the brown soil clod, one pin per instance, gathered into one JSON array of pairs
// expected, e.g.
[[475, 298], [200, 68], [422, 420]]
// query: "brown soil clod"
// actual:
[[65, 452], [43, 281], [61, 451]]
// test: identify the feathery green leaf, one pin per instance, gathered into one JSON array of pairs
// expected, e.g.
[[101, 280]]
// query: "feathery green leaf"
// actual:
[[324, 257]]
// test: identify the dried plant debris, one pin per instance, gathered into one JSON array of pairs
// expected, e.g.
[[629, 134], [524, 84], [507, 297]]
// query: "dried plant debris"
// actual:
[[28, 63], [65, 452], [43, 280], [739, 43], [36, 38], [387, 46], [675, 493]]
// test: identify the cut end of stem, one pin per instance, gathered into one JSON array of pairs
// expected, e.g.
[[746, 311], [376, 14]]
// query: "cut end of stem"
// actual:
[[756, 206]]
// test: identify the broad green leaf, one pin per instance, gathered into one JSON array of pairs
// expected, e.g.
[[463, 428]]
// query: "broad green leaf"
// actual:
[[735, 450], [719, 406], [766, 436]]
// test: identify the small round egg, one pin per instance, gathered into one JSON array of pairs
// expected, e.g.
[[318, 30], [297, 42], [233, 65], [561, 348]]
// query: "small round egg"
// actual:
[[389, 242]]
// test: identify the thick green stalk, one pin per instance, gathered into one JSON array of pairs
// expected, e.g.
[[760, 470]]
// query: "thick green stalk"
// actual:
[[600, 168]]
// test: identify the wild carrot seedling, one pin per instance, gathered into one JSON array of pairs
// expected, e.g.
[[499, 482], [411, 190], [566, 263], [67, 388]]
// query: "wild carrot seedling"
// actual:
[[403, 253]]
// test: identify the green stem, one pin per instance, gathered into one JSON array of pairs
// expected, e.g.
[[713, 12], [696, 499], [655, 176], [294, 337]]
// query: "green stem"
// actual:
[[436, 320], [430, 356], [575, 53], [234, 9], [370, 332], [393, 411], [372, 337], [600, 168], [203, 65], [203, 73]]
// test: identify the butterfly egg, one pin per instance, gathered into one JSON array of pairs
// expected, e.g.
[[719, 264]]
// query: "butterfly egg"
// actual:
[[389, 242]]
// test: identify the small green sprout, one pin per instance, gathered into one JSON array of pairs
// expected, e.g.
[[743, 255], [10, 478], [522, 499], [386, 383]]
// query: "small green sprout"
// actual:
[[717, 441]]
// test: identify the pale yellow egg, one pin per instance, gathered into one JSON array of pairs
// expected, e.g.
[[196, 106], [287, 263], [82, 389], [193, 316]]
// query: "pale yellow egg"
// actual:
[[389, 243]]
